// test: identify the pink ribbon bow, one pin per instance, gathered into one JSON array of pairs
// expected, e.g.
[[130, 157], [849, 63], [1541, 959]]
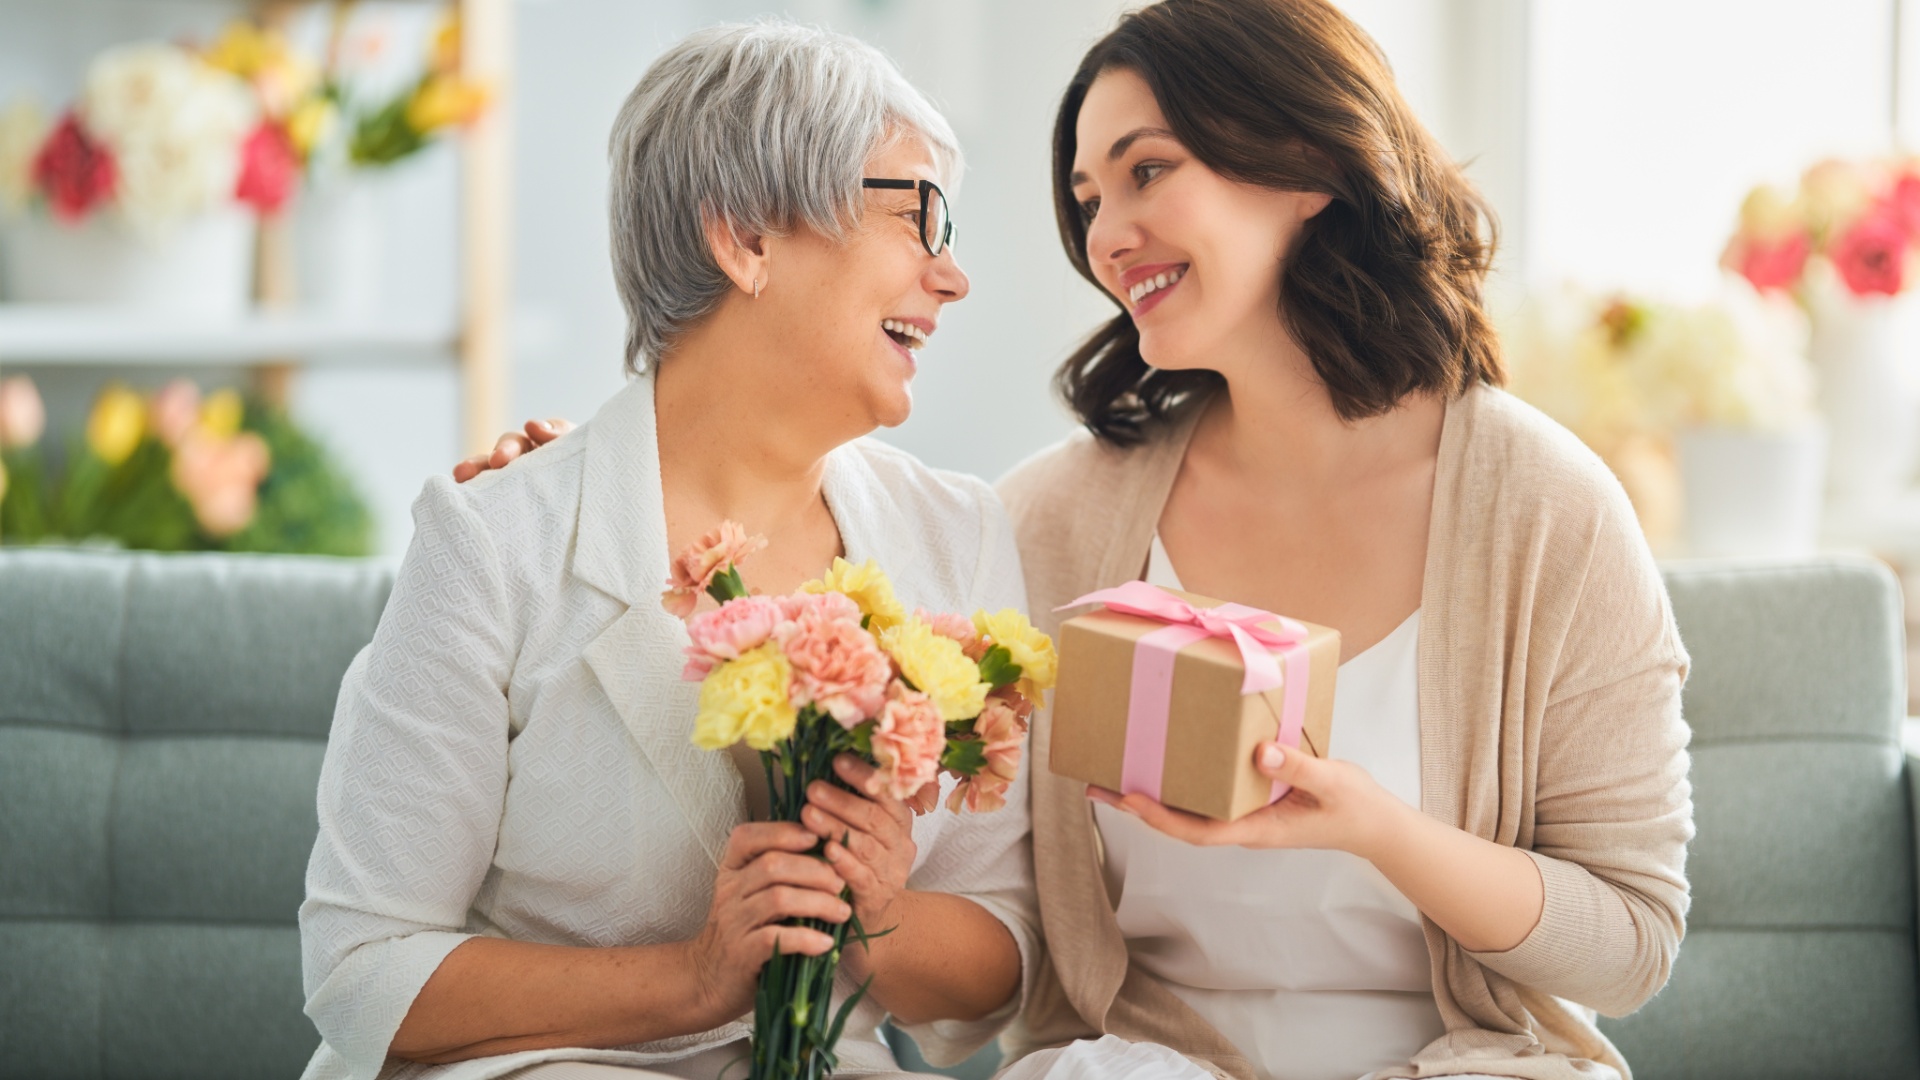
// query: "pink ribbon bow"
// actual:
[[1151, 693]]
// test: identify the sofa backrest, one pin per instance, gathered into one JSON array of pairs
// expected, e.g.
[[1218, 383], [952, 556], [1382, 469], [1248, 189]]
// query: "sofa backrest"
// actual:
[[162, 720], [1799, 957]]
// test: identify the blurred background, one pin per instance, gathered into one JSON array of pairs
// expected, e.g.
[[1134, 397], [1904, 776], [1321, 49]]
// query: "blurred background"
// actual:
[[266, 265]]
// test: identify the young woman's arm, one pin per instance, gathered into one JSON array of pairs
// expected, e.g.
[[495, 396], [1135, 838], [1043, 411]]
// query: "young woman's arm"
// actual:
[[1486, 896]]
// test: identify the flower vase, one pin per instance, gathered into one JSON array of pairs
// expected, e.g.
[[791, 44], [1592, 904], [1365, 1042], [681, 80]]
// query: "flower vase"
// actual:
[[1860, 350], [1752, 493], [202, 267], [341, 245]]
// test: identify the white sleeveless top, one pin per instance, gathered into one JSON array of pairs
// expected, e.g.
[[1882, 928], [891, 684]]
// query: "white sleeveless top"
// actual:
[[1310, 962]]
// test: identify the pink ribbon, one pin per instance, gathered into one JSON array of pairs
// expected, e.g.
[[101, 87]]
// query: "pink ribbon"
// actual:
[[1151, 694]]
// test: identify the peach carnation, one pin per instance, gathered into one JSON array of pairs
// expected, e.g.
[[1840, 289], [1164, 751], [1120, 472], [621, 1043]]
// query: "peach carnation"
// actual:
[[694, 570], [908, 741], [959, 628], [1001, 729], [728, 632], [837, 667]]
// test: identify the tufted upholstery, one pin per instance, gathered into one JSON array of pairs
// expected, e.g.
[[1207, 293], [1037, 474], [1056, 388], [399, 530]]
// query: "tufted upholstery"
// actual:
[[162, 721], [1799, 959]]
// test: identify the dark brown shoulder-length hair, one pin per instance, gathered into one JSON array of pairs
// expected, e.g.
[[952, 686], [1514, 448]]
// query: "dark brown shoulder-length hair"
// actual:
[[1383, 287]]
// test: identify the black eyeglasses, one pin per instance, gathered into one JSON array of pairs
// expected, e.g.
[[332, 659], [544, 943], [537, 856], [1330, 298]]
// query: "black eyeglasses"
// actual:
[[936, 223]]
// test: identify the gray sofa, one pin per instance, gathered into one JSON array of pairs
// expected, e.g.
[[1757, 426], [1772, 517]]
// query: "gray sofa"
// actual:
[[162, 721]]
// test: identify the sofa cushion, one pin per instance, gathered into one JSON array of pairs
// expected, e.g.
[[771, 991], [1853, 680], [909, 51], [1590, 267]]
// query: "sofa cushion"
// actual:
[[1799, 959]]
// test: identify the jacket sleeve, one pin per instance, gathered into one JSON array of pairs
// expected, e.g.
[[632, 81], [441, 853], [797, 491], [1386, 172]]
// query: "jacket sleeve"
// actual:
[[1613, 810], [412, 786], [987, 858]]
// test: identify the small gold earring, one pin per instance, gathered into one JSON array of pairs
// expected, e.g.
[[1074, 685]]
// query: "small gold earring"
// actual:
[[756, 288]]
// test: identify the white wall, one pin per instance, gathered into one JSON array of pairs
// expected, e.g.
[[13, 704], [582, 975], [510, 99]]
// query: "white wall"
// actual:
[[1650, 119]]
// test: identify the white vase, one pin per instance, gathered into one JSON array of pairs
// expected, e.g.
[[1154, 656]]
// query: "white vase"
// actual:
[[1752, 493], [341, 246], [1862, 353], [202, 267]]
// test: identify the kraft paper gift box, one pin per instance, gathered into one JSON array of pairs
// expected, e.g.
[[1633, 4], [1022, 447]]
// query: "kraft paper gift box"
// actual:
[[1168, 693]]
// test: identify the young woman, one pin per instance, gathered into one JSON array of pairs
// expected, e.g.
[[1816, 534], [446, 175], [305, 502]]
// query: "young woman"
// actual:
[[1296, 408], [524, 867]]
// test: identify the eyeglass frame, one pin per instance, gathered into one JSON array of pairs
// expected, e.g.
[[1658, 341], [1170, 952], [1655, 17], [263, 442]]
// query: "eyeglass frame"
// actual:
[[927, 189]]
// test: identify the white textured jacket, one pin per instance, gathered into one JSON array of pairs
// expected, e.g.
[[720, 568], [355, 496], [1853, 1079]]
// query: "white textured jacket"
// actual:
[[510, 754]]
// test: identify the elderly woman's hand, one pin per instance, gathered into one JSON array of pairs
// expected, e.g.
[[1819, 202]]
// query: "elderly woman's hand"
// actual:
[[869, 842], [766, 877], [510, 446]]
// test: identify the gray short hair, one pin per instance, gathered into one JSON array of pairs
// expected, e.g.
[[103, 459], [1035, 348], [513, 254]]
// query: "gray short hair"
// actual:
[[766, 125]]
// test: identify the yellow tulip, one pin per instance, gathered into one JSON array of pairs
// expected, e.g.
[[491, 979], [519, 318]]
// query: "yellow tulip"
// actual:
[[221, 415], [241, 49], [443, 101], [309, 124], [119, 420], [445, 57]]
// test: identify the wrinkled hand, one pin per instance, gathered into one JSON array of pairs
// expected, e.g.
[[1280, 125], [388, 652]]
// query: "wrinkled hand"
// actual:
[[765, 878], [511, 445], [869, 843], [1334, 805]]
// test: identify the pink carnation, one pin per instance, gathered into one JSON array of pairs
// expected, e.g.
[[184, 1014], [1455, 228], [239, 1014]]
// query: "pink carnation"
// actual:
[[269, 168], [826, 605], [908, 741], [694, 570], [837, 666], [733, 628], [1872, 255], [1003, 732], [958, 627]]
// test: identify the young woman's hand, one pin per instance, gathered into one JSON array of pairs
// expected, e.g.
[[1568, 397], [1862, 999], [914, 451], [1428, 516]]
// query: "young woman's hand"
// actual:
[[765, 878], [869, 843], [511, 445], [1335, 805]]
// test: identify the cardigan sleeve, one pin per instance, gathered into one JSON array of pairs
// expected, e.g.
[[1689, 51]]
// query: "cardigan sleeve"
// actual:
[[1613, 809], [411, 787], [987, 858]]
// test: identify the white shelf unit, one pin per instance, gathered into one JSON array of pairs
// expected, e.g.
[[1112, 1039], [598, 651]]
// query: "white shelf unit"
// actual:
[[277, 339], [57, 334]]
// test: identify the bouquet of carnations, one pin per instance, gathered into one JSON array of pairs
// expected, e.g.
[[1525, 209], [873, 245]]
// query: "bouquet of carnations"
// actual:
[[841, 667], [1862, 217]]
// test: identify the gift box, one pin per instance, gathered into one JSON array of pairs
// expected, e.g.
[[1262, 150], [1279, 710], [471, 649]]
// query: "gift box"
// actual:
[[1168, 693]]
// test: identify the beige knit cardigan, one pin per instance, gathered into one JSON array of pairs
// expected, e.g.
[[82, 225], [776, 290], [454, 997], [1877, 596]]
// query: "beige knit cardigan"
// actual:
[[1550, 675]]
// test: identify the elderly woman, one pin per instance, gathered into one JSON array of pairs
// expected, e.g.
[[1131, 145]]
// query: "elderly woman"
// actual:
[[524, 866]]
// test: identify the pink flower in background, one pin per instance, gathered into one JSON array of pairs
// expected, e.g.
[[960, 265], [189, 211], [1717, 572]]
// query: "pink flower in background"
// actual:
[[958, 627], [730, 630], [174, 411], [908, 741], [837, 667], [23, 416], [269, 168], [694, 570], [75, 172], [1904, 199], [1771, 264], [1003, 732], [220, 478], [1871, 255]]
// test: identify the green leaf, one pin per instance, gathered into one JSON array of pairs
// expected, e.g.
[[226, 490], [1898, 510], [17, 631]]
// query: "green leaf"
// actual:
[[964, 756], [727, 586], [997, 668]]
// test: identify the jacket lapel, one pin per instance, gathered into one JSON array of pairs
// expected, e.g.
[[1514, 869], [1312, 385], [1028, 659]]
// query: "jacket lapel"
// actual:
[[622, 551]]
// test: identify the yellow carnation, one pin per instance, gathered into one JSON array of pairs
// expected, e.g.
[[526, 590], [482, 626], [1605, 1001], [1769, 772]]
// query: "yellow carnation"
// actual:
[[746, 699], [119, 420], [938, 667], [1028, 647], [868, 587]]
